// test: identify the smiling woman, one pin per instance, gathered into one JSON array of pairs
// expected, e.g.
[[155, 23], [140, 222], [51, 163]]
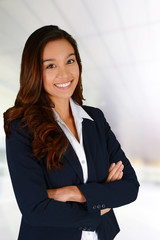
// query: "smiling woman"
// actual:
[[67, 168]]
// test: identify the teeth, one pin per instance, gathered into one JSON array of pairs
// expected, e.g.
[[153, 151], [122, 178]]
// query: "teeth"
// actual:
[[63, 85]]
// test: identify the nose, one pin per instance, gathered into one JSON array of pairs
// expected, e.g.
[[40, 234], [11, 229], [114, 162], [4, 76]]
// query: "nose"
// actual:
[[62, 72]]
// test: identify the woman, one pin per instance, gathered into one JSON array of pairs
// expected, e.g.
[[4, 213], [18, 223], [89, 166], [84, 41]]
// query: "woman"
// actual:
[[67, 168]]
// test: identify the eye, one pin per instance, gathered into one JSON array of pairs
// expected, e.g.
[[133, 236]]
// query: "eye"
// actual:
[[70, 61], [51, 66]]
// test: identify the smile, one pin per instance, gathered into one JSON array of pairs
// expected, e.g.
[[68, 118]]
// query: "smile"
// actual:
[[64, 85]]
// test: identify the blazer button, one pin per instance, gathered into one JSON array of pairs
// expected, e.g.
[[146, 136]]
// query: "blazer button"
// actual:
[[98, 206], [88, 229], [103, 205], [85, 228], [94, 207]]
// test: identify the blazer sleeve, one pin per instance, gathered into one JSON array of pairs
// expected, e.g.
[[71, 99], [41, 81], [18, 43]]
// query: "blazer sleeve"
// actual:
[[111, 194], [30, 188]]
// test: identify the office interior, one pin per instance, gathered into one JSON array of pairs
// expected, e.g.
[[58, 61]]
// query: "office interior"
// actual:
[[119, 44]]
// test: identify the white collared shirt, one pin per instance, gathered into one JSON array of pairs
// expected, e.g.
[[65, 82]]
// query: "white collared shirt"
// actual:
[[78, 113]]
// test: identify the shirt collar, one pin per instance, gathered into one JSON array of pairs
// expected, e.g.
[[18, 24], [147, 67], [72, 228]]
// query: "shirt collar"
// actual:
[[78, 112]]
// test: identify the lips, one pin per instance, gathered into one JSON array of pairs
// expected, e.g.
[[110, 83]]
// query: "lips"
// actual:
[[63, 85]]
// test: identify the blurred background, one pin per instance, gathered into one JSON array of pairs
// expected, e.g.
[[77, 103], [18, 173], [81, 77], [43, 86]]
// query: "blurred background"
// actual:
[[119, 43]]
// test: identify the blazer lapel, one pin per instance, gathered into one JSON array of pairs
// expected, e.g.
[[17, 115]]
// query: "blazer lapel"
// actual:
[[89, 143], [74, 161]]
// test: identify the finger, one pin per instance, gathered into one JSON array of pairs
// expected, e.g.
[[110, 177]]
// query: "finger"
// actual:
[[120, 176], [114, 170], [117, 173], [114, 164], [115, 176], [111, 167]]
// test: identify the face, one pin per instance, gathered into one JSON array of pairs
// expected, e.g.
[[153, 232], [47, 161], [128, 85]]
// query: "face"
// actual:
[[60, 70]]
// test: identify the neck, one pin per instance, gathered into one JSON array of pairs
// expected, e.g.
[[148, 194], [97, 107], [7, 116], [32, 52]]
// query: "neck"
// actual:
[[62, 107]]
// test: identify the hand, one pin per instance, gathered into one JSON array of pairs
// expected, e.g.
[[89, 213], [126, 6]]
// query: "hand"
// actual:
[[115, 173], [103, 211], [67, 193], [59, 194]]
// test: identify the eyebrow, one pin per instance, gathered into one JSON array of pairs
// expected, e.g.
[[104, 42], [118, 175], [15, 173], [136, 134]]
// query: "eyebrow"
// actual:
[[53, 59]]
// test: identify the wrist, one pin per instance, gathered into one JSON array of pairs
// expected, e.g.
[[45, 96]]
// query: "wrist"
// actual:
[[76, 195], [73, 193]]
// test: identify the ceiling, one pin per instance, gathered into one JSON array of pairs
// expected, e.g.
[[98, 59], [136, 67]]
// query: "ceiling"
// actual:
[[119, 43]]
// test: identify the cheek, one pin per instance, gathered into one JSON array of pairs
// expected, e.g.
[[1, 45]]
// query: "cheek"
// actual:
[[46, 79], [46, 85], [76, 72]]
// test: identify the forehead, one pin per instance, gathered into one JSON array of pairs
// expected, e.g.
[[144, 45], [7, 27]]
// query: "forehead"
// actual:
[[57, 47]]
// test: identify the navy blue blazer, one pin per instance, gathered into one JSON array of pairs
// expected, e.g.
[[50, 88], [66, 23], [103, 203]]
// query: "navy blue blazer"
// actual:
[[46, 219]]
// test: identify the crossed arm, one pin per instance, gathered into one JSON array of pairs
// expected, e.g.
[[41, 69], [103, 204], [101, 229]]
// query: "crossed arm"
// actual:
[[72, 193]]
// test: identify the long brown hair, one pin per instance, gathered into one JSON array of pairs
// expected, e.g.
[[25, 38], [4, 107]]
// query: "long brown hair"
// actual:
[[32, 103]]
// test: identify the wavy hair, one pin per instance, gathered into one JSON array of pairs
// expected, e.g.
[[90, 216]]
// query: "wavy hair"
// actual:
[[32, 103]]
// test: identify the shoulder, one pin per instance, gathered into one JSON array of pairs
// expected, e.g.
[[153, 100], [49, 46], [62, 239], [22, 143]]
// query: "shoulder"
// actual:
[[98, 116], [16, 125], [94, 112], [17, 128]]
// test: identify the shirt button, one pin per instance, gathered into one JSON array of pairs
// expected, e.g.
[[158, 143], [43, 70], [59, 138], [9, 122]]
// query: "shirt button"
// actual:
[[83, 161]]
